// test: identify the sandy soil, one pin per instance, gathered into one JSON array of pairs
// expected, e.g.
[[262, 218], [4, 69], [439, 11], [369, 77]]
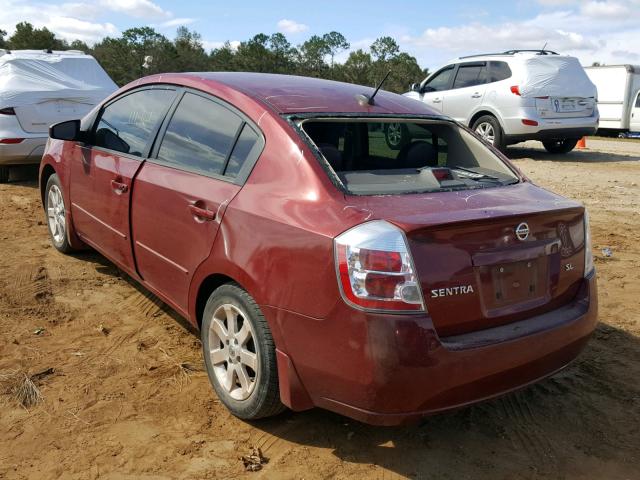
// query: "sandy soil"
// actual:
[[128, 397]]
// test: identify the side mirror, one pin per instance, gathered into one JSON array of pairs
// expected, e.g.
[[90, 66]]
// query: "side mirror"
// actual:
[[69, 130], [415, 87]]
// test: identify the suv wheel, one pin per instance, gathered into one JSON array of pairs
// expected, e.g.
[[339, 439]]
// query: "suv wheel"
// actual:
[[396, 135], [4, 174], [239, 354], [560, 146], [488, 128], [56, 215]]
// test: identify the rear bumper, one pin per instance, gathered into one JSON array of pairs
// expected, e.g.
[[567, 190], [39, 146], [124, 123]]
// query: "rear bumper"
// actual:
[[552, 134], [394, 369], [29, 151]]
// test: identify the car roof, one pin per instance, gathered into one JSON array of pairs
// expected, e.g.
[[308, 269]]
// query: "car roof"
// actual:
[[294, 94]]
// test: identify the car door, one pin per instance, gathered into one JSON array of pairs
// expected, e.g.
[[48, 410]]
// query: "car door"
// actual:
[[467, 92], [434, 88], [634, 121], [102, 169], [205, 152]]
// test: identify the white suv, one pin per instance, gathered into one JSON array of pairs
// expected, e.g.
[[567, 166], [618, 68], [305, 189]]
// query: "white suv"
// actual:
[[511, 97]]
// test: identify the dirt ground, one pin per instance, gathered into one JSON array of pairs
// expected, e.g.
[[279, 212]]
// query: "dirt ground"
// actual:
[[128, 397]]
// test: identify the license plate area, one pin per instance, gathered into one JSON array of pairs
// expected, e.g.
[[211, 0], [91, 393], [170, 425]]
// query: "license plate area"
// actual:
[[514, 286]]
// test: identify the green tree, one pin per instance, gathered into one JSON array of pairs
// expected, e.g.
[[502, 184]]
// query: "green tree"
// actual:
[[223, 59], [254, 55], [28, 37], [311, 55], [282, 53], [357, 68], [190, 55], [80, 45], [336, 43], [384, 48], [3, 43]]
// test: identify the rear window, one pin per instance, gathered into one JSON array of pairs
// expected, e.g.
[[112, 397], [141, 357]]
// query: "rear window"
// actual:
[[499, 71], [377, 157]]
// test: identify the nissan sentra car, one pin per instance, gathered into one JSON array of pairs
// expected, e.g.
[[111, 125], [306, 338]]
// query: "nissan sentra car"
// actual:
[[322, 267]]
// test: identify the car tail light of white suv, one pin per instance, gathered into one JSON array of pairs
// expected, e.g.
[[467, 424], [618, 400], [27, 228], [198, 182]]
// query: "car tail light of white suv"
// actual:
[[375, 269]]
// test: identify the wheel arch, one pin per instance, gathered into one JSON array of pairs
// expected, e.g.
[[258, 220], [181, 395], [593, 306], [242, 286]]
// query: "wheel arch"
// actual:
[[45, 173], [481, 113], [208, 285]]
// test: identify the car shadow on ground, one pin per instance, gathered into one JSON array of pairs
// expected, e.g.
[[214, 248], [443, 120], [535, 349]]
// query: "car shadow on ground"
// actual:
[[24, 175], [584, 415], [572, 425], [585, 156]]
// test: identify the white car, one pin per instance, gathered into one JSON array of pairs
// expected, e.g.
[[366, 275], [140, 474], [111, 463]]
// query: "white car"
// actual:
[[511, 97], [39, 88]]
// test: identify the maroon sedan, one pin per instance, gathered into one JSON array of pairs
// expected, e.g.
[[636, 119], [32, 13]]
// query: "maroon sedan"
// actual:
[[323, 267]]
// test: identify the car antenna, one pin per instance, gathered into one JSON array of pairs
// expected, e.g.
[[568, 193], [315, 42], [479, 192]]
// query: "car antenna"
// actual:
[[364, 99], [545, 46]]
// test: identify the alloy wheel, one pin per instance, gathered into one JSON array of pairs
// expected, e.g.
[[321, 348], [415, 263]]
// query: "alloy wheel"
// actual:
[[394, 134], [487, 132], [233, 351], [56, 214]]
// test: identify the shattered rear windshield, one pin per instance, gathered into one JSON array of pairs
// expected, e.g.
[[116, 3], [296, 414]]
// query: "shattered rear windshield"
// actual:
[[391, 156]]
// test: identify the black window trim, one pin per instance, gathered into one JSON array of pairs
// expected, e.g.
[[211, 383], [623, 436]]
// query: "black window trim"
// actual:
[[154, 132], [250, 163]]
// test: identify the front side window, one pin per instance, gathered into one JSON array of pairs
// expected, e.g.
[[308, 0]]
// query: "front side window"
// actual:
[[368, 158], [200, 136], [128, 124], [470, 76], [440, 81]]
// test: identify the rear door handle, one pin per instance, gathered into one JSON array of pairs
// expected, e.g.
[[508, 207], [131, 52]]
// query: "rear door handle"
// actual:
[[476, 95], [436, 100], [118, 187], [202, 213]]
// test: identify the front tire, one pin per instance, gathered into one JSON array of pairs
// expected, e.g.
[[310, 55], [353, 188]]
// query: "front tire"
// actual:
[[560, 146], [240, 355], [489, 129], [55, 209], [4, 174]]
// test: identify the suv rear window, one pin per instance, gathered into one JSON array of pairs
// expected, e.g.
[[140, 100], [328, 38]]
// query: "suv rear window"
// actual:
[[499, 71], [391, 156]]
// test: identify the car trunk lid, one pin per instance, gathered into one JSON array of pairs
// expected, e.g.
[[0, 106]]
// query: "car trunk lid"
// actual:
[[38, 117], [474, 271], [565, 107]]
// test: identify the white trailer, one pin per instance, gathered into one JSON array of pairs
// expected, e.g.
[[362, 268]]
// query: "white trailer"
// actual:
[[618, 97]]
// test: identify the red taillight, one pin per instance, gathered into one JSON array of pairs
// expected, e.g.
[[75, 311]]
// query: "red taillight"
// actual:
[[380, 261], [375, 269], [7, 111], [442, 174], [515, 90], [10, 141], [531, 123]]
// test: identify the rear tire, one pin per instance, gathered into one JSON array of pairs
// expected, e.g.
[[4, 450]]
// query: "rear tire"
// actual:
[[4, 174], [55, 215], [396, 135], [489, 129], [560, 146], [240, 355]]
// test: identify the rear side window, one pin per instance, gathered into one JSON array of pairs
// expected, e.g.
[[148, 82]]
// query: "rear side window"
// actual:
[[499, 71], [200, 136], [638, 101], [247, 147], [470, 75], [128, 124]]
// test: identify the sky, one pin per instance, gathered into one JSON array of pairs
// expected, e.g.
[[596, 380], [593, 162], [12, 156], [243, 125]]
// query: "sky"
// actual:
[[606, 31]]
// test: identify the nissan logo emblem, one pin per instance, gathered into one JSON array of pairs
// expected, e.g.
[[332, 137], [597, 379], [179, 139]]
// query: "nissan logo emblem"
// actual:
[[522, 231]]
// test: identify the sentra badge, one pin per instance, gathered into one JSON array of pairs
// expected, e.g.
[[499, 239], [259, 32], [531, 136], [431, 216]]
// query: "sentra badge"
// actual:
[[448, 291]]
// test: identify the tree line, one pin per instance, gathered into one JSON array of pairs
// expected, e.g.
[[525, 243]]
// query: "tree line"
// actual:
[[123, 57]]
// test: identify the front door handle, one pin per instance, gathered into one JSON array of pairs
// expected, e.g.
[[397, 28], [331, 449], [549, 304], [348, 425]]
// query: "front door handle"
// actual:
[[202, 213], [118, 187], [476, 95], [436, 100]]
